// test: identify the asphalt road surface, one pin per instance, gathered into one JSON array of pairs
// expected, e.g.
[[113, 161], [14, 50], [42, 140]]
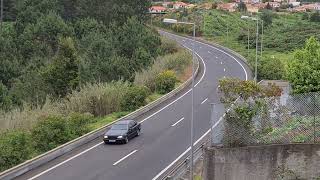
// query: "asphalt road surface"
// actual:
[[165, 129]]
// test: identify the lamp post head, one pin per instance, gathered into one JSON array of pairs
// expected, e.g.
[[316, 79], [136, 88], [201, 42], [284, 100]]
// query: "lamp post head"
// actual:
[[170, 21], [244, 17]]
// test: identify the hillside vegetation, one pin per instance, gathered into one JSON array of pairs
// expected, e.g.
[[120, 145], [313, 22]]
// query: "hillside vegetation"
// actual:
[[283, 34], [70, 67]]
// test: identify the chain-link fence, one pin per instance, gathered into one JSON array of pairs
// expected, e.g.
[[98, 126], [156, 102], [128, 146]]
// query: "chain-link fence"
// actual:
[[277, 120]]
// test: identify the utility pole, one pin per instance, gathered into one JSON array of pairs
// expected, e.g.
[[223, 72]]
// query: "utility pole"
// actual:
[[256, 69], [261, 39], [248, 39]]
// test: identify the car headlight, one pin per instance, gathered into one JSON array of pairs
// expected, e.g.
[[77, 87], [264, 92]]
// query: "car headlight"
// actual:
[[106, 137], [119, 137]]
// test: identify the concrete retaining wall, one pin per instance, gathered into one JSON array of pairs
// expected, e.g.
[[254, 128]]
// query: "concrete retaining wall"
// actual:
[[285, 162]]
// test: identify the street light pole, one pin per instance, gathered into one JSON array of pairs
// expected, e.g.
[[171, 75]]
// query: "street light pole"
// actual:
[[192, 103], [248, 40], [174, 21], [261, 39], [257, 38], [256, 68]]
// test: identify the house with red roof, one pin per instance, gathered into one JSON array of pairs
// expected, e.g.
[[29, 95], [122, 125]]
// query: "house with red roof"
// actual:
[[179, 5], [157, 9]]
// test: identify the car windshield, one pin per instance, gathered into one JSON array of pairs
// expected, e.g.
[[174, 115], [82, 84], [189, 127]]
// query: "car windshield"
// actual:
[[119, 127]]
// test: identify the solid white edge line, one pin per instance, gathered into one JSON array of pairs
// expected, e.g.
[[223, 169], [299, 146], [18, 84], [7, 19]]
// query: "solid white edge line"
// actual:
[[177, 122], [244, 69], [114, 164], [43, 172], [171, 164], [140, 122], [204, 72], [204, 101]]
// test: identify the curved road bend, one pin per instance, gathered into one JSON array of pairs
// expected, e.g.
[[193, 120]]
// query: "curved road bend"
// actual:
[[165, 129]]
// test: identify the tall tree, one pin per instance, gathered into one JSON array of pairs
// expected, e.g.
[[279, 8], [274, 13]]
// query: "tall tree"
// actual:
[[242, 7], [62, 74], [266, 16], [304, 69]]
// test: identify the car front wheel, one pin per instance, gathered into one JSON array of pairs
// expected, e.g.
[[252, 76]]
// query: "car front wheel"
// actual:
[[126, 140]]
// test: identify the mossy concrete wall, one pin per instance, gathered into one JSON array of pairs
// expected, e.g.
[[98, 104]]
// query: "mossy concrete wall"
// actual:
[[283, 162]]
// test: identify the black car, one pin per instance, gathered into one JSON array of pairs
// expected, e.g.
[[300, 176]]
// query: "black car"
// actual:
[[122, 131]]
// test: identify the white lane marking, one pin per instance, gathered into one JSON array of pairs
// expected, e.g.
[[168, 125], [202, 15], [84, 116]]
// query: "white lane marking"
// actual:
[[206, 133], [204, 72], [204, 101], [36, 176], [216, 57], [177, 122], [224, 69], [221, 62], [224, 77], [114, 164], [244, 69], [152, 114], [181, 155], [209, 52]]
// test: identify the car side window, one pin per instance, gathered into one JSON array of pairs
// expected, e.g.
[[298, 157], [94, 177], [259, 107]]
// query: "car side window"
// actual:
[[131, 124]]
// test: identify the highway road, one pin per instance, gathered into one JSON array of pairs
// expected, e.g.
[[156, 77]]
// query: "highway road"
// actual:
[[165, 129]]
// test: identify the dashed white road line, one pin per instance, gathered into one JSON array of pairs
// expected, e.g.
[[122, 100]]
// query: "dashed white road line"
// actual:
[[221, 62], [209, 52], [216, 57], [228, 54], [205, 134], [177, 122], [204, 101], [124, 157], [36, 176], [224, 69], [43, 172]]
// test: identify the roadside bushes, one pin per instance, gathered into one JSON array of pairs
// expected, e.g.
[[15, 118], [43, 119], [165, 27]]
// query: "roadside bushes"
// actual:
[[53, 131], [134, 98], [50, 132], [15, 148], [97, 99], [165, 82], [168, 46], [176, 62]]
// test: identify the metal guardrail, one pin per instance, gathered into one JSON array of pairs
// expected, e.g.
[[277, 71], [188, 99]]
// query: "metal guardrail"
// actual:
[[69, 146], [183, 164]]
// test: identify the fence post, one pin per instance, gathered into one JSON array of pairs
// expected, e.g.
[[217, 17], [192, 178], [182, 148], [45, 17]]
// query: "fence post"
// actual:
[[314, 117], [212, 105]]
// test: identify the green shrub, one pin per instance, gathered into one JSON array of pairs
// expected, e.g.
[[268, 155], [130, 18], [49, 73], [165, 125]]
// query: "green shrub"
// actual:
[[15, 148], [50, 133], [134, 98], [168, 46], [176, 62], [97, 99], [78, 124], [165, 82]]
